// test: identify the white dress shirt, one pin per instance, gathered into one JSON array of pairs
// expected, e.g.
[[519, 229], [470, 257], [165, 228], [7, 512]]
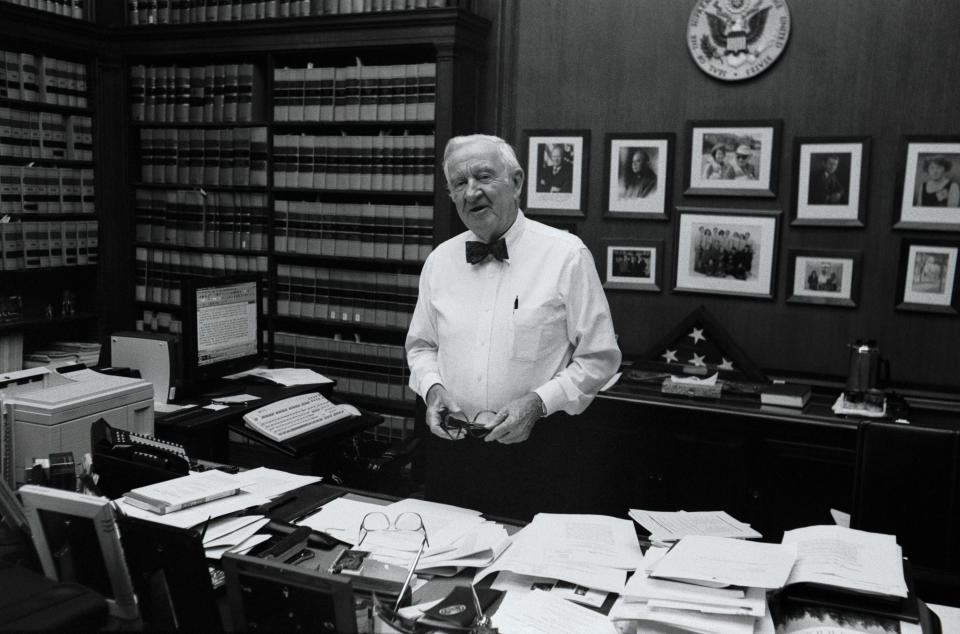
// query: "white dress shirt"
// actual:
[[494, 331]]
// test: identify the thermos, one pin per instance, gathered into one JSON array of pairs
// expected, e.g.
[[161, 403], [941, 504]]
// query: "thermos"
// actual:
[[867, 369]]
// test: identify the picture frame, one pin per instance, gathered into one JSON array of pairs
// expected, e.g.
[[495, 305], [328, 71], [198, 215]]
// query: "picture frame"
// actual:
[[726, 251], [928, 190], [732, 158], [632, 265], [639, 175], [830, 176], [557, 190], [927, 280], [44, 506], [824, 277]]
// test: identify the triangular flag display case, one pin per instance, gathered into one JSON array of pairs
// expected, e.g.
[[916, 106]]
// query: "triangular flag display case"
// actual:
[[697, 346]]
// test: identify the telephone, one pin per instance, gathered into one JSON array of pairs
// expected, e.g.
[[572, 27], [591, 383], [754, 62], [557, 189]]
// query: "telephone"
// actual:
[[124, 460]]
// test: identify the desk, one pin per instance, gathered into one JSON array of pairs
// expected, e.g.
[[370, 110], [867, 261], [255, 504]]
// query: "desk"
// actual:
[[205, 433]]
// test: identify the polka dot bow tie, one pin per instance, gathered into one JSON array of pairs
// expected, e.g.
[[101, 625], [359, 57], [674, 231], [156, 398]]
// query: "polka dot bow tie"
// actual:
[[478, 251]]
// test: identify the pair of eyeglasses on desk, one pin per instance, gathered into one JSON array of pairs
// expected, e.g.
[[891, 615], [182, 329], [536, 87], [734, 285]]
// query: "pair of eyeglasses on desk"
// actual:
[[481, 623], [476, 428]]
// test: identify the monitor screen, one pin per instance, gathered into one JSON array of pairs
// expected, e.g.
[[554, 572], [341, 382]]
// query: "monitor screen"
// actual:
[[221, 328]]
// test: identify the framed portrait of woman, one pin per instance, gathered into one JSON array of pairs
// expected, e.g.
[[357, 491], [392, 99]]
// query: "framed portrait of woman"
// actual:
[[929, 186], [639, 175]]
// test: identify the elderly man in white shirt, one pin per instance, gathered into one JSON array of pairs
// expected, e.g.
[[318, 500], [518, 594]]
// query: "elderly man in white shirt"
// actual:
[[511, 322]]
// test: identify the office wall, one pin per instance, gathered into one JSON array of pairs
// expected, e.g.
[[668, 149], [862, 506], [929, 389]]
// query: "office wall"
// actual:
[[856, 67]]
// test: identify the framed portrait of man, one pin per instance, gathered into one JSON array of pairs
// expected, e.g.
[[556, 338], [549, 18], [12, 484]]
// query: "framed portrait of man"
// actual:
[[830, 180], [929, 187], [634, 265], [639, 175], [556, 162], [727, 158], [928, 276], [726, 252], [824, 277]]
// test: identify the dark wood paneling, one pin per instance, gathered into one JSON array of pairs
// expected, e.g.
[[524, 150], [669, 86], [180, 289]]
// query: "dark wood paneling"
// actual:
[[858, 67]]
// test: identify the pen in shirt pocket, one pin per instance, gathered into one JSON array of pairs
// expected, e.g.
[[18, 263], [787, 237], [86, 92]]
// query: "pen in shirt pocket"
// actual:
[[516, 302]]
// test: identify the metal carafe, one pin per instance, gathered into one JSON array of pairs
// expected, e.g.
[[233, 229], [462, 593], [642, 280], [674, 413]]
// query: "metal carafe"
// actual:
[[867, 367]]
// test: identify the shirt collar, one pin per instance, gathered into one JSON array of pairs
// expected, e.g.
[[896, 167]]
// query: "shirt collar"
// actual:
[[512, 235]]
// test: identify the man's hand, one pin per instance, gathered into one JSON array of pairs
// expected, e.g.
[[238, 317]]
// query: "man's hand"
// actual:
[[439, 404], [515, 421]]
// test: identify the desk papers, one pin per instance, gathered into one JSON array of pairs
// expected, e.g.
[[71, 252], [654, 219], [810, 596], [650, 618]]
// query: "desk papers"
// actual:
[[272, 483], [194, 515], [668, 526], [721, 561], [593, 551], [538, 612], [847, 558]]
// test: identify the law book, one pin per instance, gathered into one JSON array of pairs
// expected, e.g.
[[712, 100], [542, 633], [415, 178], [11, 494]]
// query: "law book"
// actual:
[[241, 156], [327, 95], [410, 95], [369, 95], [197, 80], [426, 91], [209, 92], [231, 91], [184, 492], [297, 94], [786, 394], [138, 79], [281, 88], [258, 156], [182, 92], [29, 86], [312, 93]]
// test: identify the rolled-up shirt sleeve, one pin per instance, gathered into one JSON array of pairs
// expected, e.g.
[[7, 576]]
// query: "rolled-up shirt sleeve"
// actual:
[[422, 340], [596, 356]]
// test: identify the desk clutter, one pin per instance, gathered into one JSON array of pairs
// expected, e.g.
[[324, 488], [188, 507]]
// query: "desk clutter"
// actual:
[[293, 553]]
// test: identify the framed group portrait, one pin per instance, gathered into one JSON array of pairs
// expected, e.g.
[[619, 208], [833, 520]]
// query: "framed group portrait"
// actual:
[[928, 276], [634, 265], [929, 187], [830, 180], [556, 165], [732, 158], [726, 252], [639, 175], [824, 277]]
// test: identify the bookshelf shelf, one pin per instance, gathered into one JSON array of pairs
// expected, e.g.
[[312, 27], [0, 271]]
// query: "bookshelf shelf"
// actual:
[[43, 323], [42, 106], [197, 249]]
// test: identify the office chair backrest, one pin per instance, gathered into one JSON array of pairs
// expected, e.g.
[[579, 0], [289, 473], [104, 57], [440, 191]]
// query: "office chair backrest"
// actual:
[[908, 484]]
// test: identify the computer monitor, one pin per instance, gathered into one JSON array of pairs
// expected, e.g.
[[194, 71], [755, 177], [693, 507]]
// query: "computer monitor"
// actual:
[[222, 330]]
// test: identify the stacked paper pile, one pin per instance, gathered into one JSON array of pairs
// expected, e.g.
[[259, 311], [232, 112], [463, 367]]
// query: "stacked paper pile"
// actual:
[[61, 353], [669, 526], [706, 584]]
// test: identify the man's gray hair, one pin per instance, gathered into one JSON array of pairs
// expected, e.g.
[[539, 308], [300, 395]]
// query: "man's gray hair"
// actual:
[[504, 149]]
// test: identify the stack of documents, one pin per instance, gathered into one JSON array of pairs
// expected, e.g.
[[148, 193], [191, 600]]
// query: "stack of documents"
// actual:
[[594, 552], [669, 526], [707, 584]]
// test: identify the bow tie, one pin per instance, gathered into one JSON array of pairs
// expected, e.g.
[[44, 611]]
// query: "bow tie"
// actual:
[[478, 251]]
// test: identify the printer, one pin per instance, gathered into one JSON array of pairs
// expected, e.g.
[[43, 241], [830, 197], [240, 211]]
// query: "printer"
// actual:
[[44, 412]]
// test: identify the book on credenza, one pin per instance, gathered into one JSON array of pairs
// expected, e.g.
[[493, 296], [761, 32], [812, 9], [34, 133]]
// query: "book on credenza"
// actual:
[[785, 394], [184, 492]]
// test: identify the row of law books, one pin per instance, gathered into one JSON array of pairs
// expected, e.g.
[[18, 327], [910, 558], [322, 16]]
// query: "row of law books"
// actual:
[[68, 8], [219, 156], [46, 190], [193, 11], [361, 368], [360, 162], [192, 94], [45, 135], [394, 232], [159, 271], [400, 92], [48, 243], [41, 79], [378, 298], [188, 218]]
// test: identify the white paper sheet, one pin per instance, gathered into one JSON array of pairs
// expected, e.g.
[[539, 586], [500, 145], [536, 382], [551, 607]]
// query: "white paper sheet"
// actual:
[[724, 561], [539, 612], [587, 539], [692, 621], [668, 526], [237, 536], [341, 518], [271, 482], [224, 526]]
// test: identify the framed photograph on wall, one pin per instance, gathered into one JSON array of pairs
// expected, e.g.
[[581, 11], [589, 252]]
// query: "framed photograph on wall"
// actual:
[[633, 265], [556, 165], [732, 158], [929, 195], [928, 276], [830, 180], [639, 175], [726, 251], [827, 278]]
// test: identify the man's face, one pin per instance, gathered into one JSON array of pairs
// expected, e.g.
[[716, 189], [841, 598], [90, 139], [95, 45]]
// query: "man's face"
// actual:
[[555, 156], [742, 159], [484, 193], [637, 163], [832, 164]]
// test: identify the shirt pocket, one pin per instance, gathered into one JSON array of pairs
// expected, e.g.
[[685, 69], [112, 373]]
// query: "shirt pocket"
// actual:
[[528, 326]]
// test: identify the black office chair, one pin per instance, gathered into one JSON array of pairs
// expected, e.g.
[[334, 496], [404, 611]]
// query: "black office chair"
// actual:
[[908, 484]]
